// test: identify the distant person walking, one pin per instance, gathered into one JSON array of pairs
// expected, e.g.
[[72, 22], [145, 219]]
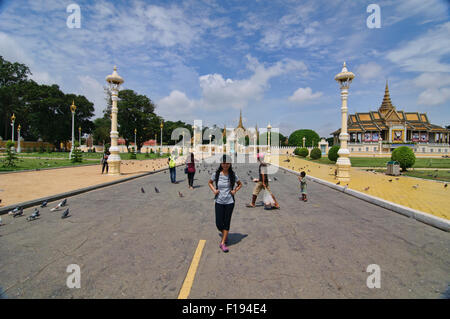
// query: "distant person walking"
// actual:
[[222, 184], [172, 168], [105, 161], [262, 183], [190, 168], [302, 180]]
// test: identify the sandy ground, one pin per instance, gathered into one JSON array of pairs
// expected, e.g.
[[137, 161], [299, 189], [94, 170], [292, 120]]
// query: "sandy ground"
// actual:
[[424, 195], [21, 187]]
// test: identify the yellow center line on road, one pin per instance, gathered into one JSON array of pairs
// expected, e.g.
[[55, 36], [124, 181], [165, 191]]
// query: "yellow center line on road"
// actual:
[[189, 280]]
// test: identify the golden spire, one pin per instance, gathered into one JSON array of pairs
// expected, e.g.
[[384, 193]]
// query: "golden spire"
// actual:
[[386, 105], [240, 121], [224, 133]]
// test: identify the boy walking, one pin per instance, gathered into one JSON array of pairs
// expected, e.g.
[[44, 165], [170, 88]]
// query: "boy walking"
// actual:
[[302, 180]]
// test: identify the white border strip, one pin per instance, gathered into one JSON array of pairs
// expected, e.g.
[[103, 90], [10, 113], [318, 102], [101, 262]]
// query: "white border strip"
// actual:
[[423, 217]]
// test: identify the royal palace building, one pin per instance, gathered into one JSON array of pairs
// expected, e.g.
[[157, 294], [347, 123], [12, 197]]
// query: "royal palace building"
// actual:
[[388, 128]]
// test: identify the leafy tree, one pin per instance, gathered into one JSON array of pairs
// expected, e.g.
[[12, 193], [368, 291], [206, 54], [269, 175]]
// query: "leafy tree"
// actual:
[[333, 153], [133, 153], [296, 138], [12, 76], [315, 153], [405, 156], [11, 157], [137, 112], [273, 135], [77, 156], [330, 141], [102, 130], [301, 151]]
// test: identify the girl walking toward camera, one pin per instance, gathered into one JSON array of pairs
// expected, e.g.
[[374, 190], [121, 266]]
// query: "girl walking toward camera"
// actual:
[[222, 184]]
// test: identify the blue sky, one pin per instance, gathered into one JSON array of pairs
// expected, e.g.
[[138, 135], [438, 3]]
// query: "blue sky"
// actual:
[[207, 59]]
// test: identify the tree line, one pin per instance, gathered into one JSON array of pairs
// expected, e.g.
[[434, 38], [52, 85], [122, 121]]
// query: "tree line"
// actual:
[[43, 112]]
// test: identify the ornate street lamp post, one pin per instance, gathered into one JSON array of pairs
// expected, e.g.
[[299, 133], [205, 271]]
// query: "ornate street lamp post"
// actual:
[[344, 78], [18, 140], [114, 80], [269, 128], [210, 149], [135, 145], [194, 128], [72, 109], [13, 120], [161, 126]]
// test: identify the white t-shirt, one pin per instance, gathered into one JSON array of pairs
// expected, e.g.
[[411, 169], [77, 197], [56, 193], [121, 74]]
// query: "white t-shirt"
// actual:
[[223, 185]]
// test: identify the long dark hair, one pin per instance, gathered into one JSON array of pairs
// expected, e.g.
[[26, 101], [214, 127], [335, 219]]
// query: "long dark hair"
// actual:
[[231, 175], [192, 157]]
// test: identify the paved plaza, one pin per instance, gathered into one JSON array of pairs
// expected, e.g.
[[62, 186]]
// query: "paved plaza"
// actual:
[[130, 244]]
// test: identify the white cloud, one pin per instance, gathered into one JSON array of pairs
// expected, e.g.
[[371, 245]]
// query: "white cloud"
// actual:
[[422, 11], [175, 105], [304, 94], [426, 52], [369, 71], [219, 92], [434, 96], [94, 92], [437, 88]]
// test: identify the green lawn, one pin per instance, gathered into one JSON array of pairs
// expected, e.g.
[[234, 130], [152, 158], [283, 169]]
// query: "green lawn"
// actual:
[[382, 162], [34, 163], [429, 174], [124, 156]]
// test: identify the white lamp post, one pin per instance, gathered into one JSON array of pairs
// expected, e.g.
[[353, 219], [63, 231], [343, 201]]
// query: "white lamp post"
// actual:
[[210, 149], [135, 145], [72, 109], [269, 127], [13, 120], [161, 126], [194, 128], [256, 141], [304, 139], [183, 144], [114, 80], [18, 140], [344, 78]]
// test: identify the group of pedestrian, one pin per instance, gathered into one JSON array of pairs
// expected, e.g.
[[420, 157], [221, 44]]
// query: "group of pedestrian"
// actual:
[[225, 183]]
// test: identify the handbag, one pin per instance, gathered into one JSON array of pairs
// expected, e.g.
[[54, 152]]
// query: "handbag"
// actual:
[[185, 170]]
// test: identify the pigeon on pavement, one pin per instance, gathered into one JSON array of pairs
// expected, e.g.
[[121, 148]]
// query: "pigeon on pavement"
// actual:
[[15, 210], [65, 214], [44, 204], [180, 194], [34, 215], [64, 202], [18, 213], [142, 190], [1, 223], [156, 189]]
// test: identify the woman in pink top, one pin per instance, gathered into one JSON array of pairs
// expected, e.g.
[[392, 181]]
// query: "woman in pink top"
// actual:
[[190, 163]]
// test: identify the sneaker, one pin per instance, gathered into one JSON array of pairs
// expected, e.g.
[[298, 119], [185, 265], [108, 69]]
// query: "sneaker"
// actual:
[[224, 248]]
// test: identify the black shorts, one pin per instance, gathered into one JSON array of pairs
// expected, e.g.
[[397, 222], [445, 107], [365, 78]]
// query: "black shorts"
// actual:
[[223, 216]]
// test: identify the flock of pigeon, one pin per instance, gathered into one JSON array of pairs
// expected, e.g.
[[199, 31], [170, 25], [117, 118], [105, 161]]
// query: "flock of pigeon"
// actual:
[[18, 211]]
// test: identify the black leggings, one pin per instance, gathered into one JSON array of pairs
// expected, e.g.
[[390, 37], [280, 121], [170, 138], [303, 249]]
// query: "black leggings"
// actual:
[[191, 179], [103, 167], [223, 216]]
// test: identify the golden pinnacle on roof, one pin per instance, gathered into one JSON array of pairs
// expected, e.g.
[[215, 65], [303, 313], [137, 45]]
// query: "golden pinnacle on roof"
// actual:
[[386, 105]]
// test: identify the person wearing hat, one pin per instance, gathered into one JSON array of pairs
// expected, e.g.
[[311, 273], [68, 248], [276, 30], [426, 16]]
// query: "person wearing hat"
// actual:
[[222, 184], [262, 183]]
